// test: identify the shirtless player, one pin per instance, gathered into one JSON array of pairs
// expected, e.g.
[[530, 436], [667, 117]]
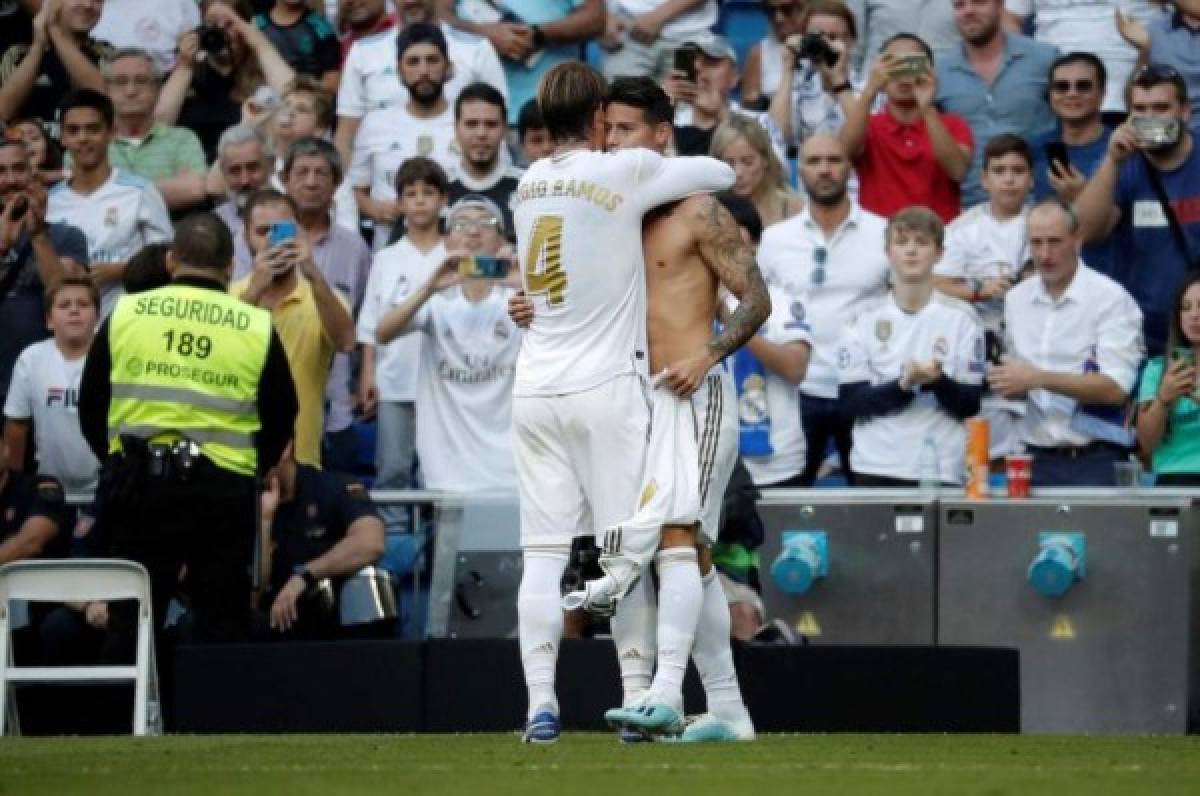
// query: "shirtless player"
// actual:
[[691, 248]]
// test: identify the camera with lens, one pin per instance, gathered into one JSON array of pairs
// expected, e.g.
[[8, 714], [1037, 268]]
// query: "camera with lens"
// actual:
[[213, 40], [813, 47]]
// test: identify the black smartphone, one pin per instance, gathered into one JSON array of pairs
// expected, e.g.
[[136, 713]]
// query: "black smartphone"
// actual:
[[685, 61], [1057, 151]]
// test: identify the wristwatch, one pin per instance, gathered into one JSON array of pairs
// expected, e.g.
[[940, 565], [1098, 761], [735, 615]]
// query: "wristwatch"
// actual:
[[539, 38], [310, 580]]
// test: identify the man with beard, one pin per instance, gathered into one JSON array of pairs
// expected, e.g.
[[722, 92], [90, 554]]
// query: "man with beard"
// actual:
[[829, 259], [996, 81], [1128, 197], [479, 127], [369, 73], [424, 126]]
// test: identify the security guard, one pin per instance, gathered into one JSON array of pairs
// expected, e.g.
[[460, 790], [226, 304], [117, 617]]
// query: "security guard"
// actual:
[[187, 398], [319, 524]]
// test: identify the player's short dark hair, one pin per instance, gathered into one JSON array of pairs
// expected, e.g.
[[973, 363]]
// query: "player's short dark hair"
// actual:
[[147, 269], [1007, 144], [642, 93], [422, 169], [265, 197], [1082, 58], [87, 98], [81, 281], [529, 118], [744, 213], [202, 240], [569, 96], [924, 45], [421, 33], [480, 92], [917, 218]]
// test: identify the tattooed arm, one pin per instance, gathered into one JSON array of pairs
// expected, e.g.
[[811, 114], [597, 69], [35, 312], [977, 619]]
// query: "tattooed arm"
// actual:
[[719, 244]]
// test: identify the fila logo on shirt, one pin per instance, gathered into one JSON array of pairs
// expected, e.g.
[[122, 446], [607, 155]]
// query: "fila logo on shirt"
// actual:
[[62, 397]]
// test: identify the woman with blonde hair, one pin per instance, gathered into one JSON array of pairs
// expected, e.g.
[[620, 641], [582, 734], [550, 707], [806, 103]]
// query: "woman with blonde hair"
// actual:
[[742, 143]]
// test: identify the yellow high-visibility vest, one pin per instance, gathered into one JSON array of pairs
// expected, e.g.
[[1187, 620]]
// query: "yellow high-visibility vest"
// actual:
[[186, 362]]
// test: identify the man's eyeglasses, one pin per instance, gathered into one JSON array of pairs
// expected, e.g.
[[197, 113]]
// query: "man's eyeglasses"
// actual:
[[820, 255], [141, 81], [474, 224], [1084, 86]]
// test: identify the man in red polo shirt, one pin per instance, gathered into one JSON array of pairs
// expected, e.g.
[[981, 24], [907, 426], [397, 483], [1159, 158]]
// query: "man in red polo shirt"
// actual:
[[908, 153]]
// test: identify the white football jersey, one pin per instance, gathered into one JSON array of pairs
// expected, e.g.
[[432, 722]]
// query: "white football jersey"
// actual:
[[370, 81], [578, 219], [882, 339], [45, 389], [464, 392], [396, 272], [389, 137], [979, 246], [118, 219]]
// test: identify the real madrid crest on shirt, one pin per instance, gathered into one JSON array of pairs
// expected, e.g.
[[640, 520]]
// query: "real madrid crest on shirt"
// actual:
[[883, 331], [501, 330], [752, 404], [941, 349], [112, 216], [424, 145]]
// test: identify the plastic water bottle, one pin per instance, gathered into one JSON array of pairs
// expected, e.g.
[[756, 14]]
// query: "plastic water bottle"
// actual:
[[928, 471]]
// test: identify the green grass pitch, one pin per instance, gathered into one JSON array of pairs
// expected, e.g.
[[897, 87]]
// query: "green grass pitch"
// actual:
[[598, 764]]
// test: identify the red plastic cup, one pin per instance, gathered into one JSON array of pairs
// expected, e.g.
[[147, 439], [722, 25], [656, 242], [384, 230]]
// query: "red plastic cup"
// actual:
[[1019, 470]]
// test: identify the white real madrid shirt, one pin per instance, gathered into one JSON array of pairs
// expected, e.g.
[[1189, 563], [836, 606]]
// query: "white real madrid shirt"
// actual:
[[464, 392], [396, 272], [45, 390], [883, 338], [786, 325], [370, 81], [118, 219], [978, 247], [389, 137], [855, 271], [1095, 323], [578, 219]]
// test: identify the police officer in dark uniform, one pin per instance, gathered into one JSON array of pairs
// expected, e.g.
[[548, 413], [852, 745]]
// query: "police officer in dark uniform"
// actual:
[[321, 525], [187, 399]]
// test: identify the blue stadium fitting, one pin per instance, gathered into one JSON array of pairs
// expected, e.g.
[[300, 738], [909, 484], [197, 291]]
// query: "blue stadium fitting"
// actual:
[[803, 559], [1060, 562]]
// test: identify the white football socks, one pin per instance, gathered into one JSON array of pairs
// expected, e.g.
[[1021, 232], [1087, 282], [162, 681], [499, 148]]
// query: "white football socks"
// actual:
[[540, 623], [680, 593], [633, 632], [714, 657]]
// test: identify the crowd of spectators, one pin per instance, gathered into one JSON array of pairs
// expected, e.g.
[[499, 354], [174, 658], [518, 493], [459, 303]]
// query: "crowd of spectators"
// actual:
[[960, 206]]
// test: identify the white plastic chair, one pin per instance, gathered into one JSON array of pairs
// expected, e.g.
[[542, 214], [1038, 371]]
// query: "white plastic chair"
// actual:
[[81, 580]]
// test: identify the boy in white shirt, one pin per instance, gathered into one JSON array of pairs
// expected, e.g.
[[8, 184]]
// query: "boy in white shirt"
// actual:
[[118, 213], [388, 377], [45, 389], [468, 359], [911, 369], [986, 251]]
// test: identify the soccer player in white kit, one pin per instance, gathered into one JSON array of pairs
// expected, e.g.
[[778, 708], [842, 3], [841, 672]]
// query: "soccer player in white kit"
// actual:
[[581, 414]]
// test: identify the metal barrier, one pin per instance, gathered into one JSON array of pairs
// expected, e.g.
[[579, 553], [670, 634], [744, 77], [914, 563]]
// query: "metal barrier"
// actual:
[[1099, 589]]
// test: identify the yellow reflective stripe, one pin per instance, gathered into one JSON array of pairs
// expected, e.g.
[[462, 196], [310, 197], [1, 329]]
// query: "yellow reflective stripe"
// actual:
[[230, 439], [180, 395]]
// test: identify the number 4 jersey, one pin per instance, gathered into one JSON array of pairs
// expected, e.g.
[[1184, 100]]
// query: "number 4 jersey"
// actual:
[[578, 220]]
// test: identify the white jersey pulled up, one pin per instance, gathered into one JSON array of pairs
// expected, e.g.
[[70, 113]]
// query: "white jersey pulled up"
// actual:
[[45, 390], [578, 219], [389, 137], [882, 339], [118, 219], [464, 392], [979, 246]]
